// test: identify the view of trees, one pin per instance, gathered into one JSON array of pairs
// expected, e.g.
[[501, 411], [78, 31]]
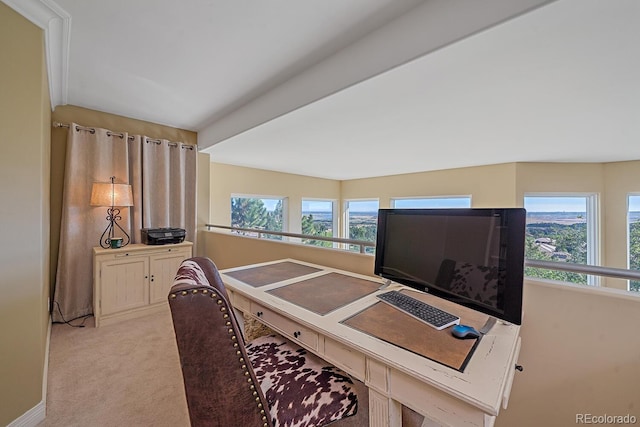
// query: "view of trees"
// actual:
[[548, 241], [313, 227], [634, 252], [570, 242], [252, 213], [363, 228]]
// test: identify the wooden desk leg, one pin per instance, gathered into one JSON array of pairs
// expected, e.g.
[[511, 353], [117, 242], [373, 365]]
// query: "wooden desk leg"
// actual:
[[378, 409], [489, 420], [240, 319], [384, 411], [395, 413]]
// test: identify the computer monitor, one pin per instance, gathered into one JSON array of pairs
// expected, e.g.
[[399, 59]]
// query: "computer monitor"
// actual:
[[473, 257]]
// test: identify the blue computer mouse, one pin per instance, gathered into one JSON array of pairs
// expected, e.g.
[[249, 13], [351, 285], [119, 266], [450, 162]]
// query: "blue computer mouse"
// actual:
[[464, 332]]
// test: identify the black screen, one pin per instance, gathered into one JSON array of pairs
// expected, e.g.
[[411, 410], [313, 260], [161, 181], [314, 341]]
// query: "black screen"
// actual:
[[473, 257]]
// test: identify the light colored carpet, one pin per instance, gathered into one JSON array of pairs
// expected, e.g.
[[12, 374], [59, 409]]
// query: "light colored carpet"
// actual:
[[125, 374], [128, 374]]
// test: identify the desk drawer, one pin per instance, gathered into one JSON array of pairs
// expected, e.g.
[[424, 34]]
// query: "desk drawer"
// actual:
[[441, 407], [342, 356], [289, 328]]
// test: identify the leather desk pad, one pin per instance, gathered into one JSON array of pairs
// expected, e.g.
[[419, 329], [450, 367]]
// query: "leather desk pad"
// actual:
[[272, 273], [393, 326], [326, 293]]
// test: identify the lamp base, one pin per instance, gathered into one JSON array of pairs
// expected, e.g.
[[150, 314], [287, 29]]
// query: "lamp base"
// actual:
[[108, 239]]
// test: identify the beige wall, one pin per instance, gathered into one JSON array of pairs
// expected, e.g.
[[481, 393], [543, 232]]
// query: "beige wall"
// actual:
[[24, 214], [579, 356], [202, 202], [230, 250], [621, 178], [227, 180], [488, 186]]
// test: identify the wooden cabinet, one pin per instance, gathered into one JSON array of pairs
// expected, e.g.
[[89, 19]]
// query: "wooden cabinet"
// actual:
[[134, 280]]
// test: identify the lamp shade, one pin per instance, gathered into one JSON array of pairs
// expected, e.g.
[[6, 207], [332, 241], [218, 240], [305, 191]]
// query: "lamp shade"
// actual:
[[109, 194]]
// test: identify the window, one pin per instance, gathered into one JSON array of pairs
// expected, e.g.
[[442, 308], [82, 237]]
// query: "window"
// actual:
[[361, 222], [561, 228], [262, 213], [318, 219], [432, 202], [633, 219]]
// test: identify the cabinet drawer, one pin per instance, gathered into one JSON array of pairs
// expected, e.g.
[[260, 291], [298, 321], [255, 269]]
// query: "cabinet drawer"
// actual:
[[292, 329], [343, 357]]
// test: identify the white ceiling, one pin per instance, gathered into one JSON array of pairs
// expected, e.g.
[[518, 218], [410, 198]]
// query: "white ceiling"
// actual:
[[359, 88]]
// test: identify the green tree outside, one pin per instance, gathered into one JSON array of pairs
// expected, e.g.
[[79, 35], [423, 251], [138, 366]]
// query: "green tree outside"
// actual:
[[366, 232], [252, 213], [634, 253], [570, 239], [248, 213], [311, 227]]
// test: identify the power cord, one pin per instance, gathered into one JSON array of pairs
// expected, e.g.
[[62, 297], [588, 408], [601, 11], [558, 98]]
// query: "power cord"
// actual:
[[68, 322]]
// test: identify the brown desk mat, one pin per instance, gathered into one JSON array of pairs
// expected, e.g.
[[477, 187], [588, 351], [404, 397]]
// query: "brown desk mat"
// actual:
[[272, 273], [326, 293], [393, 326]]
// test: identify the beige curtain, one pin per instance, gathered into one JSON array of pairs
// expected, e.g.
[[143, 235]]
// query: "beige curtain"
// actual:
[[163, 179], [166, 185], [93, 155]]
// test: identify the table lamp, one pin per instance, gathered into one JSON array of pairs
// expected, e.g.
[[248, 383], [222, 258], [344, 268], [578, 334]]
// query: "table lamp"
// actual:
[[113, 196]]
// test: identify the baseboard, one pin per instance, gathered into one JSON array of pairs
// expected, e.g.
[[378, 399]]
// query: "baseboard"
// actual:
[[32, 417], [38, 413]]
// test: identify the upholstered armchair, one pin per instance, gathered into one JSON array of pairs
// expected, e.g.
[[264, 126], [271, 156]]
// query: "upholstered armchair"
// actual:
[[268, 382]]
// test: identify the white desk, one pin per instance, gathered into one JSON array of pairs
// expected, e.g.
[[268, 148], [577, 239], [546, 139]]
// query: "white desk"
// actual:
[[394, 376]]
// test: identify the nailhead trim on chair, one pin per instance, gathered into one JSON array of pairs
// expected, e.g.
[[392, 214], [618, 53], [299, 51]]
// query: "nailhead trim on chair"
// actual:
[[234, 339]]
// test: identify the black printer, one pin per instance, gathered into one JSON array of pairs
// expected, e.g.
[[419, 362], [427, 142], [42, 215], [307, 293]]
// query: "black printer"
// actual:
[[162, 236]]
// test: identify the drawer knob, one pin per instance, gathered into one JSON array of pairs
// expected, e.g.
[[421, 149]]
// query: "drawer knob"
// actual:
[[259, 314], [297, 334]]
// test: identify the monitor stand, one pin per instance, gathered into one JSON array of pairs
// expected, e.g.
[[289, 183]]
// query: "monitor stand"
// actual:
[[488, 325], [385, 285]]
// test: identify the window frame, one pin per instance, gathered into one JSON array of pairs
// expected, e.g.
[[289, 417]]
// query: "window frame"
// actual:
[[334, 215], [628, 234], [345, 215], [594, 243]]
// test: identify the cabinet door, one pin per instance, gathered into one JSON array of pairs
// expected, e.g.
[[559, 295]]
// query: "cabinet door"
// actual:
[[163, 272], [124, 284]]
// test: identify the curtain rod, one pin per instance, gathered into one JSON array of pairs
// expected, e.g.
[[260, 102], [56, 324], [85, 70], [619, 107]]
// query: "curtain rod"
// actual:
[[120, 135]]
